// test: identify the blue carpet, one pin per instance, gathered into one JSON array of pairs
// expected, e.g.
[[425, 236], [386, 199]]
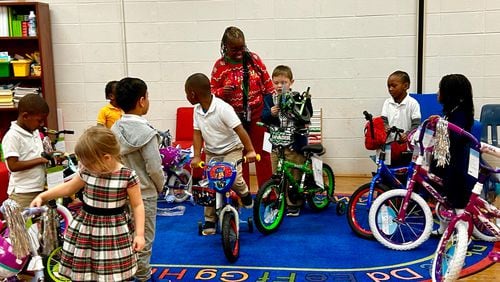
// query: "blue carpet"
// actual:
[[311, 247]]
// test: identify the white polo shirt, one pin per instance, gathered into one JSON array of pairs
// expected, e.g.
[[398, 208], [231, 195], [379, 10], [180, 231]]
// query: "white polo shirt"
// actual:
[[25, 145], [217, 126], [401, 115]]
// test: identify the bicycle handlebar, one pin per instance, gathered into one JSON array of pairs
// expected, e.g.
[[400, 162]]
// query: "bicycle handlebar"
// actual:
[[202, 164], [57, 132]]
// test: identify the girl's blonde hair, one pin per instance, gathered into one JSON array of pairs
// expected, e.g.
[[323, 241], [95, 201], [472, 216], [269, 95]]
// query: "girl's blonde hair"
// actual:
[[91, 147]]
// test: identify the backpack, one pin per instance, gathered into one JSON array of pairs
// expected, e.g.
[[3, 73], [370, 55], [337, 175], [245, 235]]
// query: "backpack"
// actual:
[[375, 135]]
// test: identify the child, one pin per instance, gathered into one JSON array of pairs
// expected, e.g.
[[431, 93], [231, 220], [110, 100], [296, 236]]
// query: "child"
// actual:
[[455, 94], [23, 148], [401, 110], [282, 78], [98, 245], [215, 122], [111, 112], [139, 143]]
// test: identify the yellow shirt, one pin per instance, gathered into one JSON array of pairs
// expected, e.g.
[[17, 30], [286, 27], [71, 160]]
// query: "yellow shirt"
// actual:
[[108, 115]]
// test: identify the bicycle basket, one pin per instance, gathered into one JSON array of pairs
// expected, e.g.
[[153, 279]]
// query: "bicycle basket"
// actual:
[[221, 176], [203, 196], [281, 136]]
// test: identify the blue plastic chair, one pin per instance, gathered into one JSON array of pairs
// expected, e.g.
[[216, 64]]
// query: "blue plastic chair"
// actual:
[[490, 119], [429, 105]]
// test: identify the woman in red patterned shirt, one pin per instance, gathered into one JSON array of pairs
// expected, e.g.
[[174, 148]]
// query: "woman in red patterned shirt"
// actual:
[[240, 78]]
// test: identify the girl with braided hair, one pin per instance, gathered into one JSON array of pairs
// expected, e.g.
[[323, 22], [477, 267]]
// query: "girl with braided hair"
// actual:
[[240, 78]]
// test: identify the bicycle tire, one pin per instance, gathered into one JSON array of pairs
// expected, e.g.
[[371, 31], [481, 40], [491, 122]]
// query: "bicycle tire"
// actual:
[[230, 237], [52, 264], [320, 199], [358, 209], [269, 207], [66, 218], [450, 254], [409, 234], [181, 178]]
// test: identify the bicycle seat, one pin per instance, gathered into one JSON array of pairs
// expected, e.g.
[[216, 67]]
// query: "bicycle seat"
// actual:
[[314, 148]]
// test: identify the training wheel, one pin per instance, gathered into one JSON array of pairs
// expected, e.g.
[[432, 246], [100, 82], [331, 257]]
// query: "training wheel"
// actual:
[[250, 224], [341, 208]]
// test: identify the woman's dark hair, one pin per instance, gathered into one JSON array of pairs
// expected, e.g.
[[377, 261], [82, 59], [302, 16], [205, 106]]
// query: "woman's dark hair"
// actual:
[[231, 32], [455, 92], [128, 91]]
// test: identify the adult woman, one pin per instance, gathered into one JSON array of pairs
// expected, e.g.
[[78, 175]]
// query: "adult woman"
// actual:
[[240, 78]]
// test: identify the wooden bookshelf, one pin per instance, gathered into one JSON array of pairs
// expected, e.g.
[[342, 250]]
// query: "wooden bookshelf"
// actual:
[[27, 45]]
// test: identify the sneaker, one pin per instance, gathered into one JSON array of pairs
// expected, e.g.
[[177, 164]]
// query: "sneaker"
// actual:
[[293, 211], [247, 201], [208, 228]]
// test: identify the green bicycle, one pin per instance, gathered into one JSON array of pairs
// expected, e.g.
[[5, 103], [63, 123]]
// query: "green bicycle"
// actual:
[[270, 202]]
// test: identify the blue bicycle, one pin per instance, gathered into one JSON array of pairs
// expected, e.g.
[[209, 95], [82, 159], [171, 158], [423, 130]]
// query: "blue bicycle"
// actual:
[[385, 178]]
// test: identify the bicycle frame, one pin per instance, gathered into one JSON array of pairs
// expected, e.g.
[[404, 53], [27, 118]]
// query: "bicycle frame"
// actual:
[[285, 168]]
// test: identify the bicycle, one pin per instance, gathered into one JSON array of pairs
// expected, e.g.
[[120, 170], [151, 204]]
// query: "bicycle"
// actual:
[[401, 219], [270, 202], [215, 190], [26, 242], [452, 248], [384, 179]]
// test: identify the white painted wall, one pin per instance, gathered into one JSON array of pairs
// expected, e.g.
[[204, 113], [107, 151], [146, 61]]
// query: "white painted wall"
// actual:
[[343, 50]]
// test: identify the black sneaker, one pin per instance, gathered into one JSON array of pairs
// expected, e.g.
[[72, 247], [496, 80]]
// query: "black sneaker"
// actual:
[[247, 201], [208, 228], [293, 211]]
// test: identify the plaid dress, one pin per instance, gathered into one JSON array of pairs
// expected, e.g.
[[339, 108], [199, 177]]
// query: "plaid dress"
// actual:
[[99, 247]]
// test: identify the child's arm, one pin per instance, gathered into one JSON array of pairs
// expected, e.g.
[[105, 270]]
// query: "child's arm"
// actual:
[[247, 142], [14, 164], [153, 165], [61, 190], [197, 143], [270, 111], [490, 150], [135, 198]]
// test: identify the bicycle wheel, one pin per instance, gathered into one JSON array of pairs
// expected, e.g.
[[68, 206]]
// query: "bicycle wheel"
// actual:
[[65, 218], [180, 179], [230, 237], [415, 228], [269, 207], [320, 199], [52, 265], [358, 209], [450, 254]]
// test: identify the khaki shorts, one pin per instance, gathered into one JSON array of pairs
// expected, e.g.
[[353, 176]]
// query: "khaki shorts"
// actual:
[[24, 199]]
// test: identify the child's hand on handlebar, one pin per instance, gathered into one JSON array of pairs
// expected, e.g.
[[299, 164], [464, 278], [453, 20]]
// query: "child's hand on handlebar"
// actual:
[[37, 202], [251, 157], [195, 162]]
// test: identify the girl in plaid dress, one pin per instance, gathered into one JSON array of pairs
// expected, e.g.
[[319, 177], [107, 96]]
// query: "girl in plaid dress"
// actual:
[[99, 244]]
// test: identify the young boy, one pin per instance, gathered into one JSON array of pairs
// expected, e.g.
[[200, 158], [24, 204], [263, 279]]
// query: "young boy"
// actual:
[[282, 78], [23, 147], [400, 110], [215, 122], [139, 143], [110, 113]]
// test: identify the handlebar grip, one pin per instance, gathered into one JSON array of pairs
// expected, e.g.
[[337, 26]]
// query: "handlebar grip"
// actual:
[[367, 115], [260, 123], [244, 159], [68, 132], [201, 164]]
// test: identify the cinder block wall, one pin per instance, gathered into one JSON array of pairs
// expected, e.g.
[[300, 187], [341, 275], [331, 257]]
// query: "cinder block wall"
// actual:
[[343, 50]]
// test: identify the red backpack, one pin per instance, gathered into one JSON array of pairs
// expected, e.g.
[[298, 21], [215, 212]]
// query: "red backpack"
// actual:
[[375, 134]]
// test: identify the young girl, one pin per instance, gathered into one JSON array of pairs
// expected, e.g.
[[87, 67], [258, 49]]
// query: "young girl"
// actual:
[[455, 94], [98, 245]]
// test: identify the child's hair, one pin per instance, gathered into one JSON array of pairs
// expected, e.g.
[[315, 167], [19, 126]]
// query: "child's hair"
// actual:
[[110, 87], [94, 143], [402, 75], [283, 70], [199, 82], [455, 91], [128, 91], [231, 32], [32, 104]]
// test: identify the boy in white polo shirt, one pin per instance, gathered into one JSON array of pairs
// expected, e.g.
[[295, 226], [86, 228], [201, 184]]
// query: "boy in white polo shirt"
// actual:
[[215, 122], [400, 110], [22, 148]]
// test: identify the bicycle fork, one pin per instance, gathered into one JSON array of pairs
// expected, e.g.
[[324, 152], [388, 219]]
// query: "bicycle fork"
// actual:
[[227, 208]]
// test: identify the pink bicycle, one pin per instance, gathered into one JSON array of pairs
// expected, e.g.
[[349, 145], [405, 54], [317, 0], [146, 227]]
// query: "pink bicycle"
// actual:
[[452, 248]]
